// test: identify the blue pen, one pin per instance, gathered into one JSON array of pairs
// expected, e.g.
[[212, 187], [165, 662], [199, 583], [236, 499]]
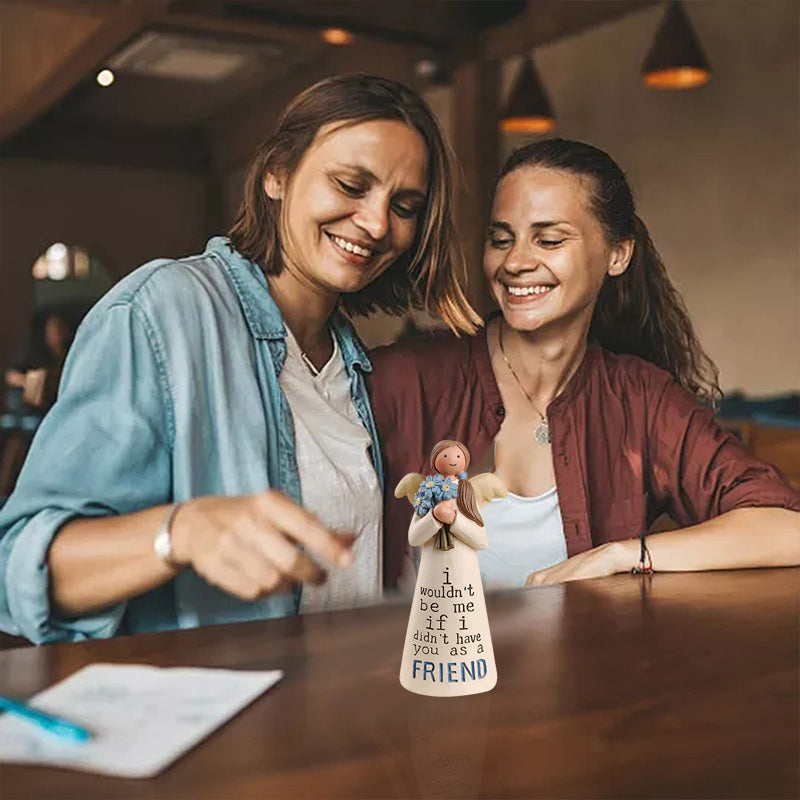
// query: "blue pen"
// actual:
[[52, 724]]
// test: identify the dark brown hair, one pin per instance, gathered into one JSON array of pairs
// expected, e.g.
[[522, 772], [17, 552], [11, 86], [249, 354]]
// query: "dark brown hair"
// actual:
[[465, 499], [640, 311], [426, 276]]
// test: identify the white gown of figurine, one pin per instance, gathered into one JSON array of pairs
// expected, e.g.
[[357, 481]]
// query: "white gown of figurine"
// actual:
[[448, 647]]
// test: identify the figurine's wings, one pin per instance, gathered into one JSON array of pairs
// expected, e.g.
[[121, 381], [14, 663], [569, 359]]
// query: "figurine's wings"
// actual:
[[487, 486], [408, 486]]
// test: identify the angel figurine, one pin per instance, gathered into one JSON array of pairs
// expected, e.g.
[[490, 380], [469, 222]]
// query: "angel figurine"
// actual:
[[448, 647]]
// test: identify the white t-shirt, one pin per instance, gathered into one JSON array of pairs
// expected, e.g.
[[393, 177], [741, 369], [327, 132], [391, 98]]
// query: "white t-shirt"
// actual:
[[337, 478], [525, 534]]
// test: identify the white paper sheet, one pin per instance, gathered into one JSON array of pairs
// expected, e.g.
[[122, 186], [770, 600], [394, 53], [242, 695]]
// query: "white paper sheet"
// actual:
[[142, 718]]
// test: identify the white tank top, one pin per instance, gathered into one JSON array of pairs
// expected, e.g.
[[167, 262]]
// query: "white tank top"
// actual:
[[526, 534]]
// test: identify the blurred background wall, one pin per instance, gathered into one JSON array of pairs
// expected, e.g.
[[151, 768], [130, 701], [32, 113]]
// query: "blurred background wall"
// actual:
[[714, 169], [125, 215], [152, 165]]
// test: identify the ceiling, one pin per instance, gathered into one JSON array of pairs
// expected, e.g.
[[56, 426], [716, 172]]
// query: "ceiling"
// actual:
[[439, 23], [181, 64]]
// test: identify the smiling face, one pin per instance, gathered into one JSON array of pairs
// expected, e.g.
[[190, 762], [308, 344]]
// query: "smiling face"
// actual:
[[351, 206], [450, 461], [546, 255]]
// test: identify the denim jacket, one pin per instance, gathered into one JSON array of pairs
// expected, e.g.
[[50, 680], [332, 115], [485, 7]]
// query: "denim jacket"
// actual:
[[170, 391]]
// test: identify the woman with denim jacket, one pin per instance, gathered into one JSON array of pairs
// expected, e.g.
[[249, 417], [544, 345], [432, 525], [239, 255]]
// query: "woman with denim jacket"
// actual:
[[212, 456]]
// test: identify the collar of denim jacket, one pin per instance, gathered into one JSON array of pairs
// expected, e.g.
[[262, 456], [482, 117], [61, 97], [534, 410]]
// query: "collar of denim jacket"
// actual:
[[353, 351], [263, 316]]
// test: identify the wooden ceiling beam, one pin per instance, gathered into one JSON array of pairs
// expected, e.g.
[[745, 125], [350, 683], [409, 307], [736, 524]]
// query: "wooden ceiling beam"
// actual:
[[219, 26], [305, 33], [48, 50]]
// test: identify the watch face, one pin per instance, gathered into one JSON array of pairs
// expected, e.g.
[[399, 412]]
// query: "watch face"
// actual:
[[162, 544]]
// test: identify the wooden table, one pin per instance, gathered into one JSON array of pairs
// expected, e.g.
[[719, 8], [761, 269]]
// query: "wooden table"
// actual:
[[671, 686]]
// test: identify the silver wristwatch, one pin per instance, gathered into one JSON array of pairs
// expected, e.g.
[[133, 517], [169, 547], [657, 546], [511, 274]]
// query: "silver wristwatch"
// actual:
[[163, 541]]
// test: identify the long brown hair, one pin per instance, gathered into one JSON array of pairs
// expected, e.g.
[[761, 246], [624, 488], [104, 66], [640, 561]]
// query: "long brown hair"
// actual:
[[465, 499], [427, 275], [640, 311]]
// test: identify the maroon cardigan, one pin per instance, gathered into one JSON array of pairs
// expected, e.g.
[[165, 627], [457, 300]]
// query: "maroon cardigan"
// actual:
[[628, 442]]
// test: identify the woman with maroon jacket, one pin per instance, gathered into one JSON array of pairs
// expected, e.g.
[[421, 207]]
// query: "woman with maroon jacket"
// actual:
[[589, 393]]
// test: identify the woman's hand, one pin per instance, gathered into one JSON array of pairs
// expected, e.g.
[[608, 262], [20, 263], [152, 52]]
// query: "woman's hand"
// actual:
[[250, 546], [607, 559], [445, 512]]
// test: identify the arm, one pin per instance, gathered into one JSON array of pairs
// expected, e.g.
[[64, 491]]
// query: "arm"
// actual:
[[102, 451], [76, 537], [735, 511], [469, 532], [236, 543], [422, 529], [744, 537]]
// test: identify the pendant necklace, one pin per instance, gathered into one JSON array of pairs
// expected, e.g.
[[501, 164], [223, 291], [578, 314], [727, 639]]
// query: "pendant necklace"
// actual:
[[310, 364], [542, 432], [312, 368]]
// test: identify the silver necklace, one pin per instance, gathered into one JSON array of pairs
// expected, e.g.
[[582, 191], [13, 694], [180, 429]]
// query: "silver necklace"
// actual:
[[315, 372], [542, 432], [310, 364]]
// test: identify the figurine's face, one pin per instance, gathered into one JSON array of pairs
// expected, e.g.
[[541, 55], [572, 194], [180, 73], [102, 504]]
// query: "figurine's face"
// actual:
[[450, 461]]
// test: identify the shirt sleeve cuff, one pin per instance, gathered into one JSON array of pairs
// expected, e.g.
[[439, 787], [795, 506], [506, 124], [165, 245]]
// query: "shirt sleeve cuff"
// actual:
[[768, 489], [27, 588], [470, 532]]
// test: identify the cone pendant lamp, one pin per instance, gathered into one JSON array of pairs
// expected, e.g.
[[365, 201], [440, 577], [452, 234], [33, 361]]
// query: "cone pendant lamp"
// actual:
[[529, 109], [676, 59]]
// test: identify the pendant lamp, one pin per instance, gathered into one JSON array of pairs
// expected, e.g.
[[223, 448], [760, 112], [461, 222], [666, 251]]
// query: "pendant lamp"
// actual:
[[528, 109], [676, 59]]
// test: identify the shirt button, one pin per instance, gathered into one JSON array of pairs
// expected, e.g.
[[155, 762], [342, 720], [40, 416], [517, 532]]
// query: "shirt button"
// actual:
[[499, 410]]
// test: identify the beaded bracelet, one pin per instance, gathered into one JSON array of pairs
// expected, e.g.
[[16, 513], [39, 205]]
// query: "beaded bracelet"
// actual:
[[645, 566]]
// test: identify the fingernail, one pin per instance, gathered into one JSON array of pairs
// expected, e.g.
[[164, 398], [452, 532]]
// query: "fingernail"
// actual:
[[345, 558]]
